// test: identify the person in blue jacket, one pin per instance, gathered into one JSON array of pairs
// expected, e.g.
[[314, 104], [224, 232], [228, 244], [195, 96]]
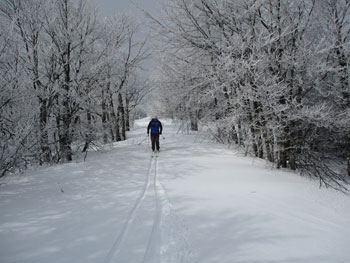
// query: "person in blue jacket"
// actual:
[[156, 129]]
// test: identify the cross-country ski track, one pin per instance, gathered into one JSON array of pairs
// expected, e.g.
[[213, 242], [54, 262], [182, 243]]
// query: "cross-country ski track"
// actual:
[[197, 202], [151, 185]]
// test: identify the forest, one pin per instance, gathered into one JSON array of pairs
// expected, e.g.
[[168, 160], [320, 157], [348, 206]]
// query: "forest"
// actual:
[[70, 80], [269, 76]]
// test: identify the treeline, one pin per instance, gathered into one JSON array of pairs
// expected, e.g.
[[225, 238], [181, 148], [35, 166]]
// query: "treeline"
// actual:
[[69, 78], [271, 76]]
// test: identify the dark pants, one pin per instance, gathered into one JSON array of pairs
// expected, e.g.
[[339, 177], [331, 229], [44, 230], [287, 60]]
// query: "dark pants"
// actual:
[[155, 141]]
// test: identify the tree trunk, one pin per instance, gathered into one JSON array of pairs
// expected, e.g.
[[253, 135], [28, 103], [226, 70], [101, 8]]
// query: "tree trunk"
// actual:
[[122, 115], [104, 117], [193, 121], [127, 114], [118, 137], [115, 128], [88, 135], [44, 138], [67, 116]]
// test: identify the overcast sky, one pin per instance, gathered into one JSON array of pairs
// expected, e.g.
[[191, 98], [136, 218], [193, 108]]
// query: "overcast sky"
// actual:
[[134, 7], [111, 7]]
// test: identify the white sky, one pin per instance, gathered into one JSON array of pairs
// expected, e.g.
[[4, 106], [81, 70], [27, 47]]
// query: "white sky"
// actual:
[[133, 7], [111, 7]]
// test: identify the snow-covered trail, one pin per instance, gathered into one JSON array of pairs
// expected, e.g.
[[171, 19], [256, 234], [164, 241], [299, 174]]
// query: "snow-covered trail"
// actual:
[[196, 202], [145, 239], [117, 247]]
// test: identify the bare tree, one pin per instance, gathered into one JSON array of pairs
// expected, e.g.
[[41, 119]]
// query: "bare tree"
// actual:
[[63, 68], [248, 69]]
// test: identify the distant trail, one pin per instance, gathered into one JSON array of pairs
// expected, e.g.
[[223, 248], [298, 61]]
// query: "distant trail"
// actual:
[[132, 214]]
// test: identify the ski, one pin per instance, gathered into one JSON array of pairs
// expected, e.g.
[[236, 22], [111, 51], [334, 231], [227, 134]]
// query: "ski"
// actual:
[[155, 154]]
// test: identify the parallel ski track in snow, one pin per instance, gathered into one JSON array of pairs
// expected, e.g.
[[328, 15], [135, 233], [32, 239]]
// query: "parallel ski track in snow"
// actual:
[[131, 217], [151, 254]]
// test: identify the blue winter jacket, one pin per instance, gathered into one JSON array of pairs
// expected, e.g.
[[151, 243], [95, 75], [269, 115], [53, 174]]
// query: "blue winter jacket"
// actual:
[[155, 126]]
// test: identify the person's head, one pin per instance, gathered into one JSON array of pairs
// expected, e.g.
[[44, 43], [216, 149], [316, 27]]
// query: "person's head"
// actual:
[[155, 117]]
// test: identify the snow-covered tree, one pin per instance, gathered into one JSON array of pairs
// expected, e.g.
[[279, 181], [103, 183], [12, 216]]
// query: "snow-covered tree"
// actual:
[[257, 72], [65, 76]]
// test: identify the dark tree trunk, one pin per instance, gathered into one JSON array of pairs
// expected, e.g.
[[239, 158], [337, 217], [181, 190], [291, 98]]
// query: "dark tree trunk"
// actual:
[[104, 117], [127, 114], [66, 138], [122, 115], [193, 121], [118, 137], [44, 138], [88, 135]]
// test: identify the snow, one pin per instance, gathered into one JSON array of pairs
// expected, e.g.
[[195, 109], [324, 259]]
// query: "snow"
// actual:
[[197, 202]]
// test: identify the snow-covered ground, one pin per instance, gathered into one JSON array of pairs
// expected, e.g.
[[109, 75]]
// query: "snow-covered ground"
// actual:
[[196, 202]]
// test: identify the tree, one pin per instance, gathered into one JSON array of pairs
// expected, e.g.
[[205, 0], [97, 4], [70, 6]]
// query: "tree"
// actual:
[[250, 65], [63, 68]]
